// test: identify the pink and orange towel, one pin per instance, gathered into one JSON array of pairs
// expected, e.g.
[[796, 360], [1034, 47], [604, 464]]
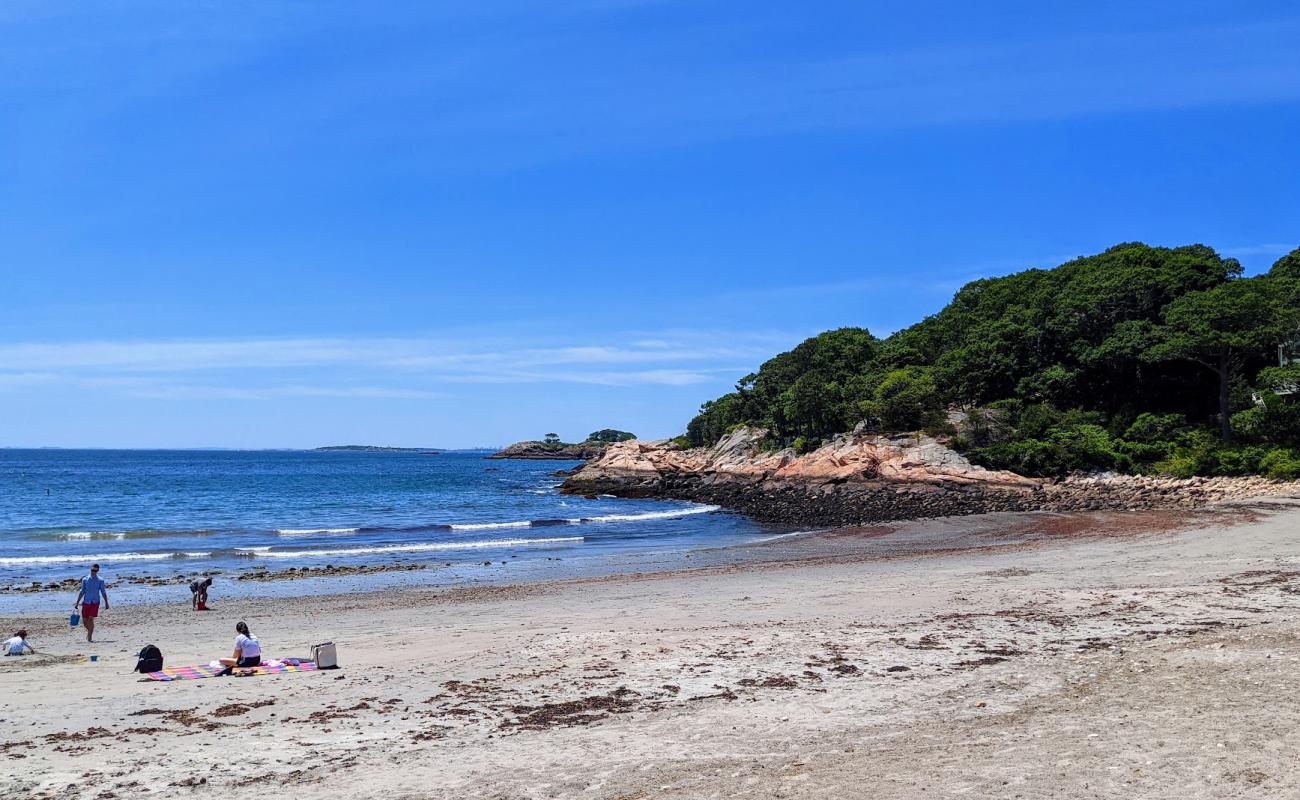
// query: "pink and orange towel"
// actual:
[[208, 671]]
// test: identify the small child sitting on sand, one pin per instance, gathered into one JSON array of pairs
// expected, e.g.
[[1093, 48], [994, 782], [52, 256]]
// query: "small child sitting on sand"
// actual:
[[248, 651], [18, 644]]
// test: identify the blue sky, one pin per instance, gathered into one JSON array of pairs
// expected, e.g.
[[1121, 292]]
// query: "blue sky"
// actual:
[[285, 224]]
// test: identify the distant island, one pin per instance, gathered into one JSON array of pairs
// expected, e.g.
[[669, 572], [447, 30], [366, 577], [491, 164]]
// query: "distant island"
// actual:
[[370, 448], [550, 448]]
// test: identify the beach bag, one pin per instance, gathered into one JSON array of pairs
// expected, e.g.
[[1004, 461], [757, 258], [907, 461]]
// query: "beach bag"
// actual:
[[325, 656], [149, 660]]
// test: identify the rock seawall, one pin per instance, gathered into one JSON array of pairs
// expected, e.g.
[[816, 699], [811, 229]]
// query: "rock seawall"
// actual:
[[861, 478]]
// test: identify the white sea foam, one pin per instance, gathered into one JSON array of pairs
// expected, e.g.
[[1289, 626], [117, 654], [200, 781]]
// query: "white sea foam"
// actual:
[[539, 523], [266, 551], [117, 536], [778, 536], [310, 531], [681, 512], [415, 548], [487, 526], [87, 559], [81, 536]]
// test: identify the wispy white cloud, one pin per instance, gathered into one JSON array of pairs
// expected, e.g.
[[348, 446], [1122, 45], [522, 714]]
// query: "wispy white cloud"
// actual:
[[374, 368], [623, 107], [396, 353], [172, 356], [149, 356], [473, 91], [182, 391], [944, 280], [828, 288], [651, 377], [171, 387], [1246, 251], [12, 380]]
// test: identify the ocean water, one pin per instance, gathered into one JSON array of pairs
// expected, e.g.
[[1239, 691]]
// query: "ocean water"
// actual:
[[169, 513]]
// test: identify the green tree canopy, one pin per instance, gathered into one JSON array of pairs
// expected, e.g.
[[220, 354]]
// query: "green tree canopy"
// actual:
[[609, 436], [1065, 361], [907, 400], [1224, 329], [813, 390], [1071, 336], [1287, 267]]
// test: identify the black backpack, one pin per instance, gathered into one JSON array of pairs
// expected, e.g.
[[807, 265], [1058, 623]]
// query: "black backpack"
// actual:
[[149, 660]]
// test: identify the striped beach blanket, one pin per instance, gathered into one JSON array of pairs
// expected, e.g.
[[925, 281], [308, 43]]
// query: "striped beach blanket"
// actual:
[[208, 671], [184, 673]]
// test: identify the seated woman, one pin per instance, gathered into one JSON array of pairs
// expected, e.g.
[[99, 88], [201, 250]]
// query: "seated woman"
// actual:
[[18, 645], [248, 651]]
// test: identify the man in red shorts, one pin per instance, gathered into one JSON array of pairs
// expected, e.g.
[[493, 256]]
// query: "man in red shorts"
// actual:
[[92, 591]]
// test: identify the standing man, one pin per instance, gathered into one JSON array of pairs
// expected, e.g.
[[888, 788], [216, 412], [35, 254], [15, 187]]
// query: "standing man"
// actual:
[[92, 590]]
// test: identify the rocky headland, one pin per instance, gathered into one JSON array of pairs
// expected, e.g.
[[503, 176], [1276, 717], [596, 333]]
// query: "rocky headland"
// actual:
[[542, 451], [861, 478]]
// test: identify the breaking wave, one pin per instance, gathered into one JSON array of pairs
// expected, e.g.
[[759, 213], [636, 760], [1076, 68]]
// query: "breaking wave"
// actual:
[[407, 548]]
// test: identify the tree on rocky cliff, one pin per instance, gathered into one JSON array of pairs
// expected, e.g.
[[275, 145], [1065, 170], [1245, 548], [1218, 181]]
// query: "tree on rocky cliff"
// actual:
[[609, 436], [552, 440], [1031, 335], [1066, 360], [816, 389], [1224, 329], [908, 400]]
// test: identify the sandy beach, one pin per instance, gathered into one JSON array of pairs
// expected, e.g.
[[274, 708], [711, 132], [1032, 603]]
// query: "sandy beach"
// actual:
[[1124, 654]]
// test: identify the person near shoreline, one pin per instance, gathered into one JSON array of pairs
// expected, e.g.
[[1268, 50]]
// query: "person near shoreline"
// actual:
[[199, 593], [92, 591], [248, 651], [19, 646]]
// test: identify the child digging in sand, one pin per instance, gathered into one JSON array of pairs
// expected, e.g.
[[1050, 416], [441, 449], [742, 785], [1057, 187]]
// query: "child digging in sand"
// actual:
[[199, 593], [18, 645]]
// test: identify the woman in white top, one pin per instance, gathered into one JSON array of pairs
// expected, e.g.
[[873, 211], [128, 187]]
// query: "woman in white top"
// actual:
[[248, 651]]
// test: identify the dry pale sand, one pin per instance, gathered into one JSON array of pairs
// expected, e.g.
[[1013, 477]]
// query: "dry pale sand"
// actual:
[[1116, 655]]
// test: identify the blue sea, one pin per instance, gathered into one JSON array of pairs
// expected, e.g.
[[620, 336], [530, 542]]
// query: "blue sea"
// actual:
[[171, 513]]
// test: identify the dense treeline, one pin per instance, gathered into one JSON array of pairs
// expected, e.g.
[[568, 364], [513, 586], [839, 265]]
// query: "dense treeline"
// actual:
[[1137, 359], [610, 436], [603, 436]]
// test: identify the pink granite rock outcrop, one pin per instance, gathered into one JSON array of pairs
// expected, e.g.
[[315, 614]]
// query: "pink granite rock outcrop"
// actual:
[[862, 477], [856, 457]]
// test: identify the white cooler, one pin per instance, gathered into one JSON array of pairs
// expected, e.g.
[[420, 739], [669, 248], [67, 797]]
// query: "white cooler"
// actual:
[[325, 656]]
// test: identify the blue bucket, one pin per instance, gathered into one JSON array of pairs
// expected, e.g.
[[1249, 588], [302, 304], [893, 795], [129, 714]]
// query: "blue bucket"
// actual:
[[74, 619]]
